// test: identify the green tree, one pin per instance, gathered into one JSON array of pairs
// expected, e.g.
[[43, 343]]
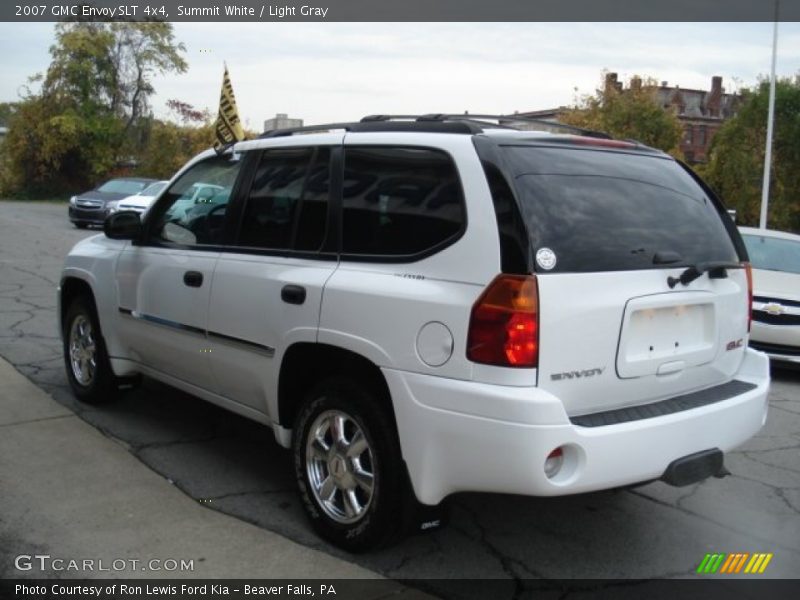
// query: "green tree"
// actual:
[[7, 109], [170, 145], [736, 163], [630, 113], [84, 119]]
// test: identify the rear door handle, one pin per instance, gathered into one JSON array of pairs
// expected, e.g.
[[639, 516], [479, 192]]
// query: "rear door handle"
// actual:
[[293, 294], [193, 278]]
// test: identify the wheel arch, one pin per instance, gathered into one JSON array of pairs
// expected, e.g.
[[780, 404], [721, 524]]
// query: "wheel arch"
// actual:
[[70, 288], [305, 364]]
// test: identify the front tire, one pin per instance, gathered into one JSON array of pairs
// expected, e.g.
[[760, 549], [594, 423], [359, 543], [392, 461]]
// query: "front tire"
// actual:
[[348, 466], [85, 357]]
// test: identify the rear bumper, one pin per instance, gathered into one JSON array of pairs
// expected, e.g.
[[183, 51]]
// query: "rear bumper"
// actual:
[[463, 436]]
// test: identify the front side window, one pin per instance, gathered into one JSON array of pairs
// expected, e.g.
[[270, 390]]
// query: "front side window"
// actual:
[[192, 211], [287, 207], [399, 201]]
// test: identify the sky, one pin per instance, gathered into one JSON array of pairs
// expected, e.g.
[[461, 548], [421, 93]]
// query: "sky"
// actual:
[[328, 72]]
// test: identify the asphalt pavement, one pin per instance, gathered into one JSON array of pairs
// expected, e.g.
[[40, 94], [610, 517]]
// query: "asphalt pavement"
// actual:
[[71, 493], [223, 463]]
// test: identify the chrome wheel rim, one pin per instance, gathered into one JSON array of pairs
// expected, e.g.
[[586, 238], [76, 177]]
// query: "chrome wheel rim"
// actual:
[[82, 350], [340, 466]]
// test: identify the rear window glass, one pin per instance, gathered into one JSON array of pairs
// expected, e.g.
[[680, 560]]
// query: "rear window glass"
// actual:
[[773, 254], [613, 211]]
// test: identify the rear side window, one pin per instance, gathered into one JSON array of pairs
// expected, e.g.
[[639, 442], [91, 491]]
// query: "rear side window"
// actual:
[[399, 201], [287, 207], [613, 211]]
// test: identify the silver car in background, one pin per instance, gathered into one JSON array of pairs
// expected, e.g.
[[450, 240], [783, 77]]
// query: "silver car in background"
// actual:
[[775, 257], [143, 200]]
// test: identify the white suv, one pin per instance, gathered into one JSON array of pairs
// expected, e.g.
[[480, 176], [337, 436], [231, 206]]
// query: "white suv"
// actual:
[[419, 307]]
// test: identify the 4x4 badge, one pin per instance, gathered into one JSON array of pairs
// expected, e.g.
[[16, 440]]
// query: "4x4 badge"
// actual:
[[546, 258]]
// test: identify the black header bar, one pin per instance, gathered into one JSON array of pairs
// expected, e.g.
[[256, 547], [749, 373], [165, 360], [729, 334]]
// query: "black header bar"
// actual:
[[731, 588], [402, 11]]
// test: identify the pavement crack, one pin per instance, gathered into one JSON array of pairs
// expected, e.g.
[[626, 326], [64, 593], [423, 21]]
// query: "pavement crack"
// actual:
[[769, 464], [725, 526], [507, 563], [27, 421], [136, 448], [774, 406], [780, 493], [434, 550], [16, 267], [692, 492], [247, 493]]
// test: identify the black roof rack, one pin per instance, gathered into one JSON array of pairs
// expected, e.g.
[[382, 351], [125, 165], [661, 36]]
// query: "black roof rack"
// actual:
[[434, 123], [484, 120], [381, 125]]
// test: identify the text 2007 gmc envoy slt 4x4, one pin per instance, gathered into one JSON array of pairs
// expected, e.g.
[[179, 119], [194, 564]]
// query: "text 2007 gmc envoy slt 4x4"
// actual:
[[425, 306]]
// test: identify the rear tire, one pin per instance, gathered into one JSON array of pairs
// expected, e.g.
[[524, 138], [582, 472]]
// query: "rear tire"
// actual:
[[348, 466], [85, 357]]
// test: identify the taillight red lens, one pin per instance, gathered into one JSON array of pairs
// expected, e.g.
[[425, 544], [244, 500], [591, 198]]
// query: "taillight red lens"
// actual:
[[749, 271], [504, 325]]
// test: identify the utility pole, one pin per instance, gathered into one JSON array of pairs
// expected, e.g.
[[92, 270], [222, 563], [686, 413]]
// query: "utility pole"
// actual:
[[762, 223]]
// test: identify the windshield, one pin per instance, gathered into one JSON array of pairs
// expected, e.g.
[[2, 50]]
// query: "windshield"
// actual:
[[153, 189], [122, 186], [773, 254], [612, 211]]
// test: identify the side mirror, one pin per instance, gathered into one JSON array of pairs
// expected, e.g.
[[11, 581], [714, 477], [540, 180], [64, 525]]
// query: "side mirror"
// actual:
[[124, 225]]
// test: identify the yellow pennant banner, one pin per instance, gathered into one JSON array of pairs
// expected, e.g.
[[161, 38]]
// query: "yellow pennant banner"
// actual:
[[228, 128]]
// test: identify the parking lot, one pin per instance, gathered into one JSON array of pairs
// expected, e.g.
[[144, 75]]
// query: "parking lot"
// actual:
[[234, 466]]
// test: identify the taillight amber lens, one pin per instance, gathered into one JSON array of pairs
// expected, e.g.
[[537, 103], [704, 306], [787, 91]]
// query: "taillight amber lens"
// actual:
[[504, 325]]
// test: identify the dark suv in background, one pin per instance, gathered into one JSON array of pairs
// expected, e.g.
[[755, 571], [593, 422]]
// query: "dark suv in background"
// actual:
[[92, 207]]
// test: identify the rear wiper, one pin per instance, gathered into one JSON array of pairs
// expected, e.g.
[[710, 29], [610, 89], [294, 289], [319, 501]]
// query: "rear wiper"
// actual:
[[715, 270]]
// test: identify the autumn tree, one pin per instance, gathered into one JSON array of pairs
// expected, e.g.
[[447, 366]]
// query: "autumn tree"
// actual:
[[628, 113], [82, 120], [736, 162], [171, 143]]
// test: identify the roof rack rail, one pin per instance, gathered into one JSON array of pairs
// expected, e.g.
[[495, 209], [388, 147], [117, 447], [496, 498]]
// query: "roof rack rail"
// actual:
[[272, 133], [433, 122], [517, 118], [384, 123]]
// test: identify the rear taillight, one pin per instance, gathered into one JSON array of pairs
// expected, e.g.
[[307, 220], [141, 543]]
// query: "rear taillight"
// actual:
[[748, 269], [504, 325]]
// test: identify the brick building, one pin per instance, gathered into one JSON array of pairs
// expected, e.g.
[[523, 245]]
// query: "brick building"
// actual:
[[701, 112]]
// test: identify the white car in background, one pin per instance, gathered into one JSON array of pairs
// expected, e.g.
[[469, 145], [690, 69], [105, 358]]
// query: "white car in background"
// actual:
[[775, 257], [141, 202]]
